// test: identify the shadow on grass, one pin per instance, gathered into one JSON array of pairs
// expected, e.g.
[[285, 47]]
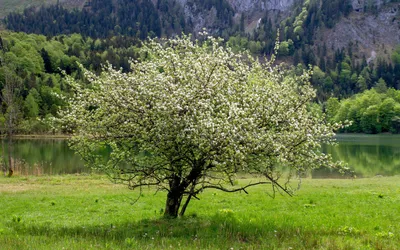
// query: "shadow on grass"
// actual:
[[220, 230]]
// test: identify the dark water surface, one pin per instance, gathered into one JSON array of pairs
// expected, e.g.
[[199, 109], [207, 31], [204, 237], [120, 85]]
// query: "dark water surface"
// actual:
[[367, 155]]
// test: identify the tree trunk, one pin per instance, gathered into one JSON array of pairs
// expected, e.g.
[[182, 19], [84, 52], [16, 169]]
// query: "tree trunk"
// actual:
[[4, 163], [10, 149], [173, 204], [177, 187], [185, 205], [188, 198], [9, 96], [174, 197]]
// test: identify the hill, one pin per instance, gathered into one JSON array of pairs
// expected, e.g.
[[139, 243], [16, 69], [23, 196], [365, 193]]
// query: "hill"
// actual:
[[370, 24], [342, 39], [351, 45], [9, 6]]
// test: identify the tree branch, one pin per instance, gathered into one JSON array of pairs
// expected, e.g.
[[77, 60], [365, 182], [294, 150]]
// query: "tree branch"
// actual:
[[220, 187], [275, 183]]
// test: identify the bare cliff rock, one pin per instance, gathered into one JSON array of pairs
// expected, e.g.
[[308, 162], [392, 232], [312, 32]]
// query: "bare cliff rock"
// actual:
[[252, 9], [359, 5], [371, 34], [260, 5]]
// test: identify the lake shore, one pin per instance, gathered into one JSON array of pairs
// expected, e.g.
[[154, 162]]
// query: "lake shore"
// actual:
[[41, 136], [87, 211]]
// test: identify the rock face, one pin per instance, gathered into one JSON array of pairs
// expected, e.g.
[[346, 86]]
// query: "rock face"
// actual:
[[257, 5], [201, 19], [358, 5], [197, 16], [371, 33], [253, 9]]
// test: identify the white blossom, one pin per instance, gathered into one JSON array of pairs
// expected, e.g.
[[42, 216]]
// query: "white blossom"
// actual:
[[189, 106]]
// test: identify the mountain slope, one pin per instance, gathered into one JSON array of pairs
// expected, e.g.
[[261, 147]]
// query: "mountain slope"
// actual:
[[371, 23], [344, 38], [371, 32], [8, 6]]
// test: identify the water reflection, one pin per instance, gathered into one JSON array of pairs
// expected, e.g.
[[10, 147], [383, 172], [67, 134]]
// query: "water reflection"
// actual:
[[44, 156], [367, 155]]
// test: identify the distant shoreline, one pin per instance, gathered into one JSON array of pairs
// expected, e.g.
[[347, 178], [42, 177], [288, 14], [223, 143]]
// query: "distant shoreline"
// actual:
[[41, 136]]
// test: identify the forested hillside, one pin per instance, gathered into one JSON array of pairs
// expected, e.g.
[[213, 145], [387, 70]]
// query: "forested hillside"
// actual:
[[31, 73], [8, 6], [310, 33], [342, 70]]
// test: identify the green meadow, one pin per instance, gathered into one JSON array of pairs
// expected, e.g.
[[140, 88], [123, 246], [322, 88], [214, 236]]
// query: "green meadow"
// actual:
[[89, 212]]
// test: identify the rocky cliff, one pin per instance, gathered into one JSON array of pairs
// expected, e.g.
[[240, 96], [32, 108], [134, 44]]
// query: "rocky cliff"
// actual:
[[253, 10], [260, 5], [360, 5], [371, 34]]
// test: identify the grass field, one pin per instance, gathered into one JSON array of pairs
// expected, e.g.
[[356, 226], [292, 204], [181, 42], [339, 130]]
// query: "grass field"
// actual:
[[88, 212]]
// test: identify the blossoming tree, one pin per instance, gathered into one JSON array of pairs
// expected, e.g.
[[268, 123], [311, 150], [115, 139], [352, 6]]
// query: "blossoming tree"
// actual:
[[191, 116]]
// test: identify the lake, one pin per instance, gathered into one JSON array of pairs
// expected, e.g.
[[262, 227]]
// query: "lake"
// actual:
[[367, 155], [45, 156]]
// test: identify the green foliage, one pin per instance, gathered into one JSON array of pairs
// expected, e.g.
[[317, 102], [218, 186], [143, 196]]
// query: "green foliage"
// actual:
[[286, 48], [361, 83], [166, 18], [298, 30], [139, 19], [369, 121], [371, 111], [32, 104], [388, 110], [255, 47], [238, 43], [332, 107], [381, 86], [37, 62], [396, 55]]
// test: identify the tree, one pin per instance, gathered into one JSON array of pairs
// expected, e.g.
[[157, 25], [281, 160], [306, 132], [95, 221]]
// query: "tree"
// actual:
[[191, 116], [381, 86], [46, 60], [32, 104], [318, 81], [361, 83], [331, 109], [396, 55], [369, 121], [386, 113], [9, 96], [286, 48]]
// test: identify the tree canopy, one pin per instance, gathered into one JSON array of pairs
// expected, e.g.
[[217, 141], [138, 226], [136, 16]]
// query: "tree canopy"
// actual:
[[373, 111], [192, 115]]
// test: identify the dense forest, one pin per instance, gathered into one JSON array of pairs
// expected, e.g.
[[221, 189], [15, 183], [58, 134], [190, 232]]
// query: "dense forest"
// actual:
[[32, 68], [53, 40], [373, 111], [339, 72]]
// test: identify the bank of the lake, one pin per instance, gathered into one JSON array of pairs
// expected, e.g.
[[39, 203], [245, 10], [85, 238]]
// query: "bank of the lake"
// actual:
[[88, 212], [42, 136]]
